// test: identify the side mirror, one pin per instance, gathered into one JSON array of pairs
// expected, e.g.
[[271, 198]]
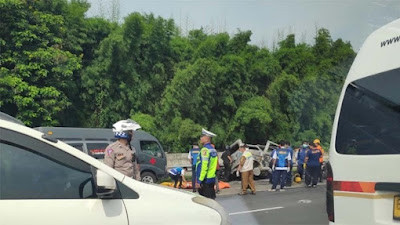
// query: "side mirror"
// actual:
[[105, 185]]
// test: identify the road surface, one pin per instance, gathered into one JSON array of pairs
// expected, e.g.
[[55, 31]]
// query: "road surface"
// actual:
[[294, 206]]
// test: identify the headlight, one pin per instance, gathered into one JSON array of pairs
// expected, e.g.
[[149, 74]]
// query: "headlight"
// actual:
[[213, 205]]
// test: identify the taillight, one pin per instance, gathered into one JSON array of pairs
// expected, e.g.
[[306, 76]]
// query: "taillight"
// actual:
[[354, 186], [330, 209]]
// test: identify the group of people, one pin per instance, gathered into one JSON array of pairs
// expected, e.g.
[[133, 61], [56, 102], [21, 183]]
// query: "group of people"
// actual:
[[121, 156], [309, 162]]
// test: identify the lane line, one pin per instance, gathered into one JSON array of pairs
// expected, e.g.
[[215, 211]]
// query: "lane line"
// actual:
[[256, 210]]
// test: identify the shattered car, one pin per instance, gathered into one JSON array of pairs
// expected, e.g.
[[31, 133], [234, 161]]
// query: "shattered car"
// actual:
[[262, 157]]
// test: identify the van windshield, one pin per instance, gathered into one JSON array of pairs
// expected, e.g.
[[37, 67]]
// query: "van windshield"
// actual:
[[369, 122]]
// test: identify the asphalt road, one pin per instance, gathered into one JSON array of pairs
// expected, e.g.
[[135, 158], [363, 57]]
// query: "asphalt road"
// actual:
[[294, 206]]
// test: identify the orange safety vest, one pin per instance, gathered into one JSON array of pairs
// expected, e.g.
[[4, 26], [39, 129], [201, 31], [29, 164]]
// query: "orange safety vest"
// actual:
[[321, 159]]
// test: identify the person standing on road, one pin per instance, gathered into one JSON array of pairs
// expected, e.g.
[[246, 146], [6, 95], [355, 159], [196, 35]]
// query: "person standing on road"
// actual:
[[271, 162], [246, 170], [193, 153], [178, 174], [313, 167], [317, 142], [301, 155], [207, 165], [227, 159], [280, 166], [120, 155], [289, 174]]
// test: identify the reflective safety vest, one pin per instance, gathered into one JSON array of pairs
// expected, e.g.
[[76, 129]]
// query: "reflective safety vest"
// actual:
[[248, 164], [194, 152], [206, 166], [282, 156], [176, 171]]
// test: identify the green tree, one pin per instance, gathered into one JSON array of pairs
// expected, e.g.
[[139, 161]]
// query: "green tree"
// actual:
[[34, 65]]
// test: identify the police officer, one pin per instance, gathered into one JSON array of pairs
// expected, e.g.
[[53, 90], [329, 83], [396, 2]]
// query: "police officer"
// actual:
[[193, 153], [280, 165], [120, 155], [207, 165]]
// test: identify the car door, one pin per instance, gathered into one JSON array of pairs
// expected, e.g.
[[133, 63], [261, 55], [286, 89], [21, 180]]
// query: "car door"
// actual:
[[41, 184], [152, 157]]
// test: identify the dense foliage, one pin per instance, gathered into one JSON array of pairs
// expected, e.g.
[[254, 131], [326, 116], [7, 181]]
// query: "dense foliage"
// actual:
[[61, 68]]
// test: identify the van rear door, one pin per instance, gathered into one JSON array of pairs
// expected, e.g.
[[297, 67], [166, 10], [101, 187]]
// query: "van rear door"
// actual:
[[365, 164], [152, 157]]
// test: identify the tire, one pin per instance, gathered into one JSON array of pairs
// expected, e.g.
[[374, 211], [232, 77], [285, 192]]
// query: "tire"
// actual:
[[148, 177]]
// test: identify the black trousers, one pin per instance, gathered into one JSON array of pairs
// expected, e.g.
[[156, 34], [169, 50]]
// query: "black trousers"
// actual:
[[176, 178], [300, 170], [312, 175], [194, 177], [279, 176], [289, 176], [320, 172], [227, 171], [207, 190]]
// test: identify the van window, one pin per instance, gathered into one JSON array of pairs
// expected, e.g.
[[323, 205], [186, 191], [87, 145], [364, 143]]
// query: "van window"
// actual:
[[28, 174], [369, 122], [77, 145], [69, 139], [151, 148], [96, 150]]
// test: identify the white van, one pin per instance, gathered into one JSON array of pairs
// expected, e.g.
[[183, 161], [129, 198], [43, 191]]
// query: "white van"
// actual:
[[363, 183], [45, 181]]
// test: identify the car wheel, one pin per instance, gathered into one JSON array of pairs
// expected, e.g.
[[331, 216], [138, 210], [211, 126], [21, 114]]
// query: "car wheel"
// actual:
[[148, 177]]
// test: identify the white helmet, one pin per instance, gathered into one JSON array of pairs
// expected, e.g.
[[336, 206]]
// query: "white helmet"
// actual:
[[125, 125], [121, 129]]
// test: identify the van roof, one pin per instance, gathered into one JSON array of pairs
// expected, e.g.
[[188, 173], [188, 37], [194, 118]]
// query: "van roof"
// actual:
[[75, 133], [378, 54], [9, 118]]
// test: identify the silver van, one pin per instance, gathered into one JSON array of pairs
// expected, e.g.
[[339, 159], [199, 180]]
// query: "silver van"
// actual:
[[93, 141]]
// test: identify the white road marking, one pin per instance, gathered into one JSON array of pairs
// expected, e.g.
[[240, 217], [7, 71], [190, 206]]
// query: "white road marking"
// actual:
[[256, 210], [306, 201]]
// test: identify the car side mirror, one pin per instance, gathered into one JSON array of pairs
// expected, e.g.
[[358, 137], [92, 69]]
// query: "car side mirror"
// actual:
[[105, 185]]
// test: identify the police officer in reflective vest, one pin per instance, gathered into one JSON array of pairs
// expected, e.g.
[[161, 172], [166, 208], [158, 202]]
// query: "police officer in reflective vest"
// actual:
[[120, 155], [193, 153], [207, 165]]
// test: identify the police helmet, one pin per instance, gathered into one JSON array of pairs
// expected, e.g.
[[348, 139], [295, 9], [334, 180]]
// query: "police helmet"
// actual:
[[123, 128]]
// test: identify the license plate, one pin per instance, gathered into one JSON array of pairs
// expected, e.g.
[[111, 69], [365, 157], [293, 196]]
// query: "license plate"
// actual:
[[396, 208]]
